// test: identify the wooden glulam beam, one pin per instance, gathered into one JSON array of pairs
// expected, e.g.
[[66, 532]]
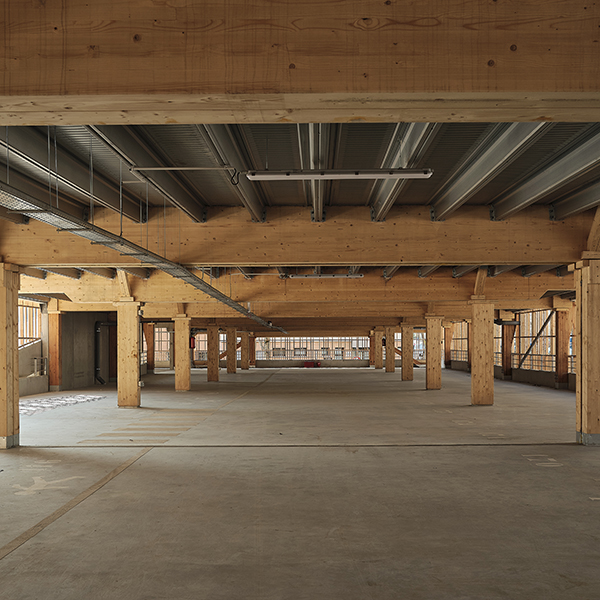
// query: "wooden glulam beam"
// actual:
[[407, 237], [314, 66], [405, 287]]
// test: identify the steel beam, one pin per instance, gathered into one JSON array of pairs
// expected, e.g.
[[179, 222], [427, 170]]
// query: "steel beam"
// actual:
[[496, 151], [226, 150], [67, 272], [389, 272], [530, 270], [141, 273], [573, 204], [105, 272], [315, 141], [283, 272], [353, 270], [31, 272], [135, 151], [582, 158], [460, 271], [406, 148], [495, 270], [212, 272], [247, 272], [426, 271], [29, 146]]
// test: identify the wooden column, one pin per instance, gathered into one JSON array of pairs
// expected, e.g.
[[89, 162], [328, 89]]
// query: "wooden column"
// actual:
[[578, 353], [390, 350], [407, 353], [482, 355], [148, 329], [231, 349], [371, 350], [563, 336], [434, 353], [128, 355], [9, 356], [55, 351], [183, 367], [245, 351], [448, 334], [212, 348], [588, 357], [508, 336], [378, 349], [252, 350]]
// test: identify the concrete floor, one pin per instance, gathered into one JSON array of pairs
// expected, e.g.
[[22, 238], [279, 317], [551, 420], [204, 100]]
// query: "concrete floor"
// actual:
[[302, 484]]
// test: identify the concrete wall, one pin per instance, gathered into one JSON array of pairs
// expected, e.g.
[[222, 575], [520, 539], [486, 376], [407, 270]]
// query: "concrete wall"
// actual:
[[29, 383], [26, 356], [459, 365], [278, 364], [28, 386]]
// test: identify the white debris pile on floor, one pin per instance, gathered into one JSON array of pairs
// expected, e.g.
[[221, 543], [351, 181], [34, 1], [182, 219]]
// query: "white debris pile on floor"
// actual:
[[35, 405]]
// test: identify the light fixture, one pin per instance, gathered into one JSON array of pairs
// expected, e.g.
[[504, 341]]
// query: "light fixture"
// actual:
[[326, 276], [315, 175]]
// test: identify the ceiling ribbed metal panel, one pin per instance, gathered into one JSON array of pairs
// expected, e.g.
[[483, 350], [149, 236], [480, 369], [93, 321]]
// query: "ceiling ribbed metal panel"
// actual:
[[546, 149], [77, 139], [186, 147], [275, 147], [448, 150], [359, 146]]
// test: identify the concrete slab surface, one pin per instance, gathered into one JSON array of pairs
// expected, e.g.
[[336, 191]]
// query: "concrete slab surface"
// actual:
[[303, 484]]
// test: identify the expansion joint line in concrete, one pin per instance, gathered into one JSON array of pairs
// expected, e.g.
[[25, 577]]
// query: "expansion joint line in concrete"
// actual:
[[65, 508], [217, 446]]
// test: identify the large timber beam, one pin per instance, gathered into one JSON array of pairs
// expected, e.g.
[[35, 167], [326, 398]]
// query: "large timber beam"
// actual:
[[405, 150], [131, 146], [410, 238], [266, 62], [565, 168], [371, 293], [494, 152]]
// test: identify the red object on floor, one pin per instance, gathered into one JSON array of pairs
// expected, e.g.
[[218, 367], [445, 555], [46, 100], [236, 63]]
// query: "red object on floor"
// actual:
[[309, 365]]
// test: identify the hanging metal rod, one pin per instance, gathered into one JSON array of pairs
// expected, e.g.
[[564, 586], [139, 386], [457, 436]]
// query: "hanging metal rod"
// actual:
[[15, 200]]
